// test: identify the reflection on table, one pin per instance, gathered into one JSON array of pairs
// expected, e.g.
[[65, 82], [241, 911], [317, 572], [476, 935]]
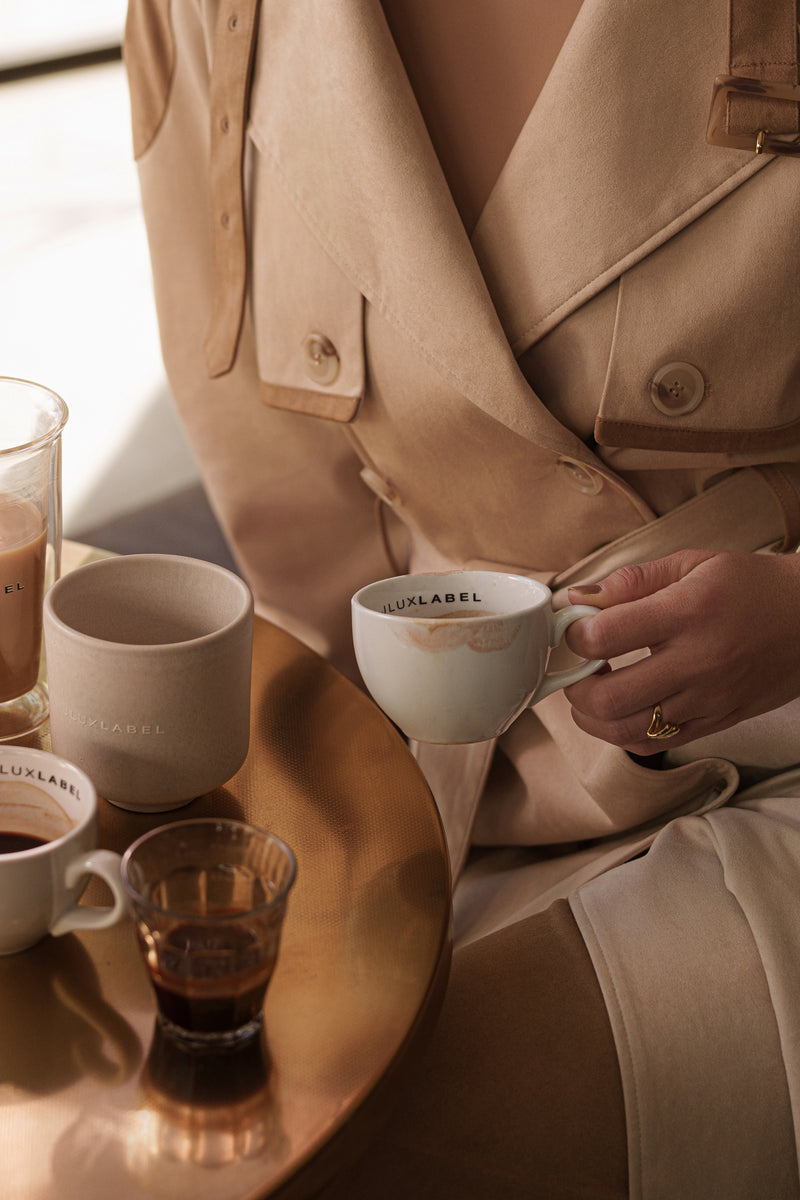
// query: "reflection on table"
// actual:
[[93, 1100]]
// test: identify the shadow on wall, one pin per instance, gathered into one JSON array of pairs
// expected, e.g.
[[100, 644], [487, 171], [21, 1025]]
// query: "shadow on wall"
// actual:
[[182, 523], [154, 463], [149, 461]]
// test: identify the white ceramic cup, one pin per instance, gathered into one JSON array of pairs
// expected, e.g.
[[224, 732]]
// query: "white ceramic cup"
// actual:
[[456, 657], [148, 661], [45, 797]]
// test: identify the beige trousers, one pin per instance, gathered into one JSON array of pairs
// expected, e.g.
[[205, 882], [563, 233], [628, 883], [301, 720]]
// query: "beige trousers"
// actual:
[[467, 1123]]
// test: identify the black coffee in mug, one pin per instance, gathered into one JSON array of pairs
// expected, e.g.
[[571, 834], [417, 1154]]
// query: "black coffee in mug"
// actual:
[[13, 842], [29, 817]]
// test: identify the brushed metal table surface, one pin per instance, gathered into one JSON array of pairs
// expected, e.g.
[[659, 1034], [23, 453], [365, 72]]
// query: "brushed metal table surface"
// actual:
[[93, 1104]]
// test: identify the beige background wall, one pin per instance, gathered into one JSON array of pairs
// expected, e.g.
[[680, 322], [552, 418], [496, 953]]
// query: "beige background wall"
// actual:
[[76, 310]]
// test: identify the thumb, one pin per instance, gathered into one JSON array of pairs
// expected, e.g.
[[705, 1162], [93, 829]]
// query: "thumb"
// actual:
[[638, 580]]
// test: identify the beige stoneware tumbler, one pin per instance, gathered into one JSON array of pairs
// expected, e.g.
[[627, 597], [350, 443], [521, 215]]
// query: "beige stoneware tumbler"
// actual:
[[149, 662]]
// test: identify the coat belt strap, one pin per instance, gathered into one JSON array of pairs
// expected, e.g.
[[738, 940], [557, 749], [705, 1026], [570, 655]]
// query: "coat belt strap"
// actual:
[[762, 39], [755, 106]]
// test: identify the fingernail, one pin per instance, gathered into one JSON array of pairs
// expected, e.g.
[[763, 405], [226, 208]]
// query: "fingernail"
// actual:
[[587, 589]]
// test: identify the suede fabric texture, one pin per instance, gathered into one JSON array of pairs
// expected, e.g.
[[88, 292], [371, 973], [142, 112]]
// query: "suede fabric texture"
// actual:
[[494, 399]]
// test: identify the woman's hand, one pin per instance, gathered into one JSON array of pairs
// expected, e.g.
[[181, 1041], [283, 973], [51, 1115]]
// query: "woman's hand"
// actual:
[[723, 632]]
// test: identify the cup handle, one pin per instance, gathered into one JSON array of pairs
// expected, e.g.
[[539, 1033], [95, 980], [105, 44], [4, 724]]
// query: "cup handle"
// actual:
[[106, 864], [561, 679]]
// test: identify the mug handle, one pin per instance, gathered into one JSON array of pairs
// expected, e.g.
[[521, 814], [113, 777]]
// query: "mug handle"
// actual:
[[561, 679], [106, 864]]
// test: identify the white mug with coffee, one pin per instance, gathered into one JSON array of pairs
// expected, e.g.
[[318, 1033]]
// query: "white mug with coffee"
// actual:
[[48, 849], [456, 657], [149, 662]]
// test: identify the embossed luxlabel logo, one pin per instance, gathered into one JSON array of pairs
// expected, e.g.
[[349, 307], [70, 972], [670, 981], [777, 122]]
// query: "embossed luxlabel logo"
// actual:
[[151, 729]]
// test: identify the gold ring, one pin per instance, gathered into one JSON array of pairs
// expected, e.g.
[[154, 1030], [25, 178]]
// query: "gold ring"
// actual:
[[659, 728]]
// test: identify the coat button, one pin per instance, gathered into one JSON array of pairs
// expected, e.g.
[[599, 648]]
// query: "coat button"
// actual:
[[321, 359], [581, 478], [677, 388]]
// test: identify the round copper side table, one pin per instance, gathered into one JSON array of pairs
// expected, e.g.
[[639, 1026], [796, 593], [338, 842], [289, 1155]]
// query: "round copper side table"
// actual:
[[94, 1103]]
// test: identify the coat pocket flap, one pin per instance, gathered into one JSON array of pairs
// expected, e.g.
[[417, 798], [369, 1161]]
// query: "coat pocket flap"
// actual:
[[308, 317], [705, 354]]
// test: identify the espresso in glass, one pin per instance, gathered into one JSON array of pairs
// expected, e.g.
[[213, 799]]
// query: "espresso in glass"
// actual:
[[209, 899], [210, 979]]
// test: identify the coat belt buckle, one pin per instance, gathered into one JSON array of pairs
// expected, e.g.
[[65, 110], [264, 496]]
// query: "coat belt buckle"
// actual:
[[761, 141]]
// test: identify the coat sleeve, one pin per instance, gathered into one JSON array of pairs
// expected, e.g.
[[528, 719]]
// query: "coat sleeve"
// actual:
[[286, 488]]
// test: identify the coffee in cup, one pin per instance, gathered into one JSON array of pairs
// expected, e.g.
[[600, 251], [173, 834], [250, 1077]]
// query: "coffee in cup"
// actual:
[[456, 657], [29, 816], [31, 421], [48, 849]]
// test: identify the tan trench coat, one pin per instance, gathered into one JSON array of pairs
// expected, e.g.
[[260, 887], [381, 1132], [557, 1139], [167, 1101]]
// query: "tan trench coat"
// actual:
[[608, 370]]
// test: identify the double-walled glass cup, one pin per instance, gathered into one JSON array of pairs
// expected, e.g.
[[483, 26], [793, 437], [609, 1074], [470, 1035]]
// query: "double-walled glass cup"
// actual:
[[209, 898], [31, 420]]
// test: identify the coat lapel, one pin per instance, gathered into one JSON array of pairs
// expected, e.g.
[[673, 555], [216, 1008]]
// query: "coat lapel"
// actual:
[[333, 113], [609, 165], [597, 179]]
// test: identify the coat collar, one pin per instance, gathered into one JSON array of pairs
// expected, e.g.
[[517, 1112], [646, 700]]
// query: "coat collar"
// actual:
[[599, 177], [612, 161]]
